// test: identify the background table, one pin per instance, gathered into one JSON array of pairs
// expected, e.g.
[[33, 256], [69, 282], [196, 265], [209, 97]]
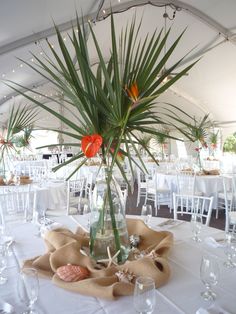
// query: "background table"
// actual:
[[180, 295], [208, 184]]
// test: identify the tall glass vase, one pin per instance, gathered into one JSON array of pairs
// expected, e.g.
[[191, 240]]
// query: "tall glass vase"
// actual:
[[108, 231]]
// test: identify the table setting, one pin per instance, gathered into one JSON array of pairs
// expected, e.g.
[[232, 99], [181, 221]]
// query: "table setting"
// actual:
[[98, 289]]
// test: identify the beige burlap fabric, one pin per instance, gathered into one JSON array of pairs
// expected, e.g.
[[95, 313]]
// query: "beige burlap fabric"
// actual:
[[64, 248]]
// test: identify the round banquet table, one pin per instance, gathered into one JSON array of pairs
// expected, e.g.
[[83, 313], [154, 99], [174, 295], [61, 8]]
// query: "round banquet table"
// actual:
[[209, 185], [181, 294]]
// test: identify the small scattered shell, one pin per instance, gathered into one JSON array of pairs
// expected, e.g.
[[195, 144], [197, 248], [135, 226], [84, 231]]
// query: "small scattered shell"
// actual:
[[72, 273], [124, 276], [134, 240]]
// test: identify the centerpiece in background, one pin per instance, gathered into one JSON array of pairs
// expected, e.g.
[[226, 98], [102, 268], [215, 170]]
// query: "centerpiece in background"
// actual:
[[15, 136], [106, 109]]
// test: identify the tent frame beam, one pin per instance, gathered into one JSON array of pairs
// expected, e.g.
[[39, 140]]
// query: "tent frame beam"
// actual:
[[34, 38]]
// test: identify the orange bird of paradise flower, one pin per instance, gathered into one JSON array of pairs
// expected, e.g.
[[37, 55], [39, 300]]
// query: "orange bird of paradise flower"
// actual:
[[133, 92], [90, 144]]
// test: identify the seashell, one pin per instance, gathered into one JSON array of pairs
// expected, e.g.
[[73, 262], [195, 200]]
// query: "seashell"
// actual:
[[71, 273], [124, 276], [134, 240]]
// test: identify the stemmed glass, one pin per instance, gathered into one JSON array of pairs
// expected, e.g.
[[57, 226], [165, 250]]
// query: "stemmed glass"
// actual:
[[144, 295], [209, 274], [3, 263], [230, 249], [28, 288], [146, 214], [196, 224]]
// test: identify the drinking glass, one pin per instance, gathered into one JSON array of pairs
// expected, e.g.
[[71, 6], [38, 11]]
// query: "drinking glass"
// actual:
[[28, 288], [3, 263], [146, 214], [144, 295], [230, 249], [209, 274], [196, 224], [7, 240]]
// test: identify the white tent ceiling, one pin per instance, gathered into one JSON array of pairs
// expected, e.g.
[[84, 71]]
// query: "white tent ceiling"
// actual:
[[210, 85]]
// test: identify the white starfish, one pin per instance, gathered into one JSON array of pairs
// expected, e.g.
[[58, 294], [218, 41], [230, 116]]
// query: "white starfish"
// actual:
[[111, 259]]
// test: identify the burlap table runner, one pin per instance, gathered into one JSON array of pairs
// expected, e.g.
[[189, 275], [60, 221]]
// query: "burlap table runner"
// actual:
[[64, 248]]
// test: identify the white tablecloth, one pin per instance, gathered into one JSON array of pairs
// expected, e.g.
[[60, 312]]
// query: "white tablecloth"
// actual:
[[180, 295], [209, 185], [50, 195]]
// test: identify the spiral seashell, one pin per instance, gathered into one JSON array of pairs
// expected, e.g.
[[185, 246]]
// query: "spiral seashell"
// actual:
[[71, 273]]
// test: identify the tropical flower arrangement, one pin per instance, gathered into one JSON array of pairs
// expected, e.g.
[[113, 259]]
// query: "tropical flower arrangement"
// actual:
[[16, 135], [213, 139], [162, 138], [112, 104]]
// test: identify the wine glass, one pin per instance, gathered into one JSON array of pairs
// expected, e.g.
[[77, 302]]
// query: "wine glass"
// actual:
[[28, 288], [196, 224], [230, 249], [209, 274], [146, 214], [3, 263], [7, 240], [144, 295]]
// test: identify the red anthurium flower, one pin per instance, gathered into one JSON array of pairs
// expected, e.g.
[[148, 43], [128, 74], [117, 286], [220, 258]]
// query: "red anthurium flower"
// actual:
[[133, 92], [197, 149], [90, 144]]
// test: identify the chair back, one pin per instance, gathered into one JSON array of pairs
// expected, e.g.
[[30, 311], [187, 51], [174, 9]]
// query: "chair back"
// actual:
[[74, 195], [186, 183], [192, 204], [229, 184], [17, 202]]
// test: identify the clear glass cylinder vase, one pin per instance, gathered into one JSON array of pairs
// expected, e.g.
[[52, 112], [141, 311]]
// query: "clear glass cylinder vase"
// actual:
[[108, 230]]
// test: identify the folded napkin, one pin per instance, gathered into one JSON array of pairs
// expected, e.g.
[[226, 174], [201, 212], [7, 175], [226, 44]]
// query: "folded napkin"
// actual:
[[213, 242], [170, 223], [213, 309], [64, 247]]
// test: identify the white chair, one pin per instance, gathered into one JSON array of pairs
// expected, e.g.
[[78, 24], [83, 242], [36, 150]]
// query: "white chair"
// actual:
[[159, 194], [229, 184], [186, 183], [18, 202], [88, 187], [192, 204], [142, 185], [75, 189]]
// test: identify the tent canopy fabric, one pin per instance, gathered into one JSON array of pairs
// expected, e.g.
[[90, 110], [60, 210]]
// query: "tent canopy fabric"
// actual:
[[210, 34]]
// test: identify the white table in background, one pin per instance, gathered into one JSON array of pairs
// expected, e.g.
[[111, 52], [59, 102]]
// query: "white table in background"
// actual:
[[209, 185], [180, 295], [50, 195]]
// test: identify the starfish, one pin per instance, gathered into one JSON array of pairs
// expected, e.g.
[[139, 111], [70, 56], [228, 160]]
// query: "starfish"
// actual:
[[111, 259]]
